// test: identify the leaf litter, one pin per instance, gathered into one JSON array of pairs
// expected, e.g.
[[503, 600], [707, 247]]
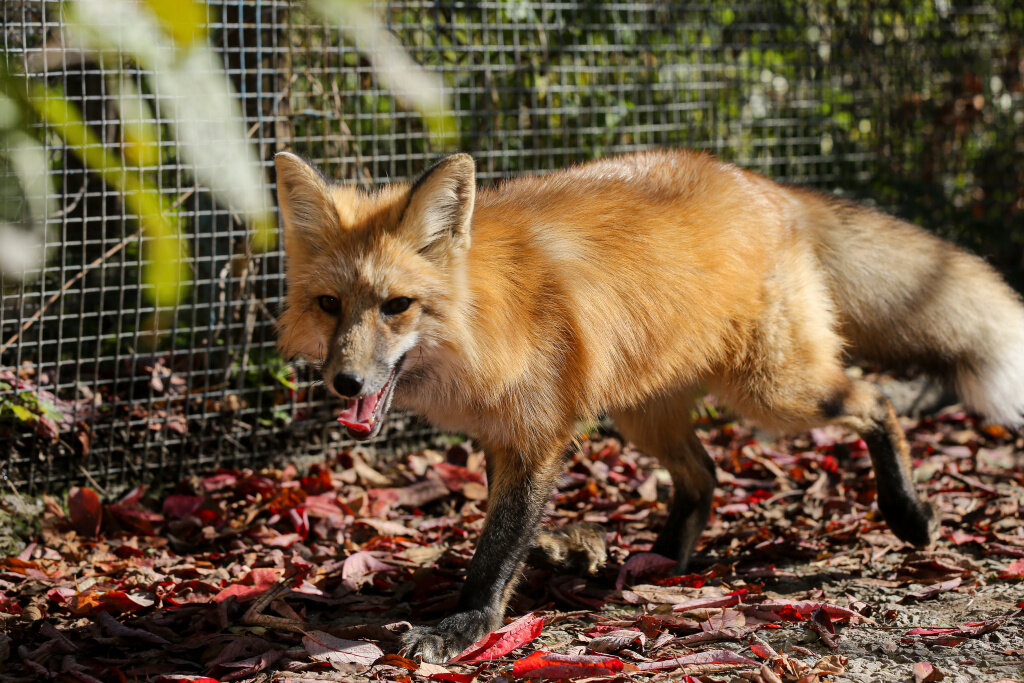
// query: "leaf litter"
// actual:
[[282, 575]]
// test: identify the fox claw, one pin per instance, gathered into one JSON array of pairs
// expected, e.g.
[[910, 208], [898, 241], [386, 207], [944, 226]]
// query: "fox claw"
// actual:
[[440, 643]]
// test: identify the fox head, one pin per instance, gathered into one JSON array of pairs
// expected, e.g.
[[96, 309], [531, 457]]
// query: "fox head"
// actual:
[[371, 277]]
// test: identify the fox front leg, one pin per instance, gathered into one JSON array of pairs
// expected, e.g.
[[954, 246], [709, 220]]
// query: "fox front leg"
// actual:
[[519, 489]]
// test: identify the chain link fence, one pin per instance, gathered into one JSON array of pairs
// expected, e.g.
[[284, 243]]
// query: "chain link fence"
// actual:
[[915, 106]]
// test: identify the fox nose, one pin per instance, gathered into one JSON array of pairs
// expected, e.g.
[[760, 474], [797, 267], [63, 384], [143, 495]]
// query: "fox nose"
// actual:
[[348, 384]]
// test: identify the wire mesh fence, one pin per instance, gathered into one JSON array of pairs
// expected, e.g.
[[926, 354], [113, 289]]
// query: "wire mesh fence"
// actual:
[[918, 107]]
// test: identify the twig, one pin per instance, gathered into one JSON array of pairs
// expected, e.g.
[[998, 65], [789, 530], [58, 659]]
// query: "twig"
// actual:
[[74, 202], [65, 287], [973, 483], [254, 615], [784, 481], [184, 195], [266, 312], [92, 481]]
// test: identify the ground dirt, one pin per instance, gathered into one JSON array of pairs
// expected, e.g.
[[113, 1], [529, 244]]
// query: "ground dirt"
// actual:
[[311, 574]]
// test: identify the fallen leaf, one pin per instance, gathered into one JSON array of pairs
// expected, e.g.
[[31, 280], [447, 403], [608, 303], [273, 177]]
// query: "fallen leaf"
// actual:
[[178, 506], [641, 564], [85, 511], [803, 609], [499, 643], [542, 664], [359, 568], [931, 591], [711, 660], [323, 647], [705, 603], [618, 639], [255, 583], [926, 673], [1014, 571]]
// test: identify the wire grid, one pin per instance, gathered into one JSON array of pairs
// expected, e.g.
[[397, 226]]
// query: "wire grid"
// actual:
[[916, 106]]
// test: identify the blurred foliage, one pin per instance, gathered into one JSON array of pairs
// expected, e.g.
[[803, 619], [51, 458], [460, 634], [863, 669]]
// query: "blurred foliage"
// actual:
[[25, 190], [169, 39]]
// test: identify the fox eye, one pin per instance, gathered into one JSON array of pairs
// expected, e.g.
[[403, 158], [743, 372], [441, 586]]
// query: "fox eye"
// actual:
[[329, 304], [399, 304]]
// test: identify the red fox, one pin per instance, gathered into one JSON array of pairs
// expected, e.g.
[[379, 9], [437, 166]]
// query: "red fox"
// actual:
[[626, 286]]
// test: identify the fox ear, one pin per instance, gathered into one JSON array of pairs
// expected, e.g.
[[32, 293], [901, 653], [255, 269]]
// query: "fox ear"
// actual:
[[440, 210], [307, 210]]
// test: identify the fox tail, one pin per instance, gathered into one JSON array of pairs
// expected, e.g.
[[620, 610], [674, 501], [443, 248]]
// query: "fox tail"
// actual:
[[905, 297]]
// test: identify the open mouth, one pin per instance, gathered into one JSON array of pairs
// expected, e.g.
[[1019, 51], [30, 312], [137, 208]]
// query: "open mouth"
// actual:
[[363, 416]]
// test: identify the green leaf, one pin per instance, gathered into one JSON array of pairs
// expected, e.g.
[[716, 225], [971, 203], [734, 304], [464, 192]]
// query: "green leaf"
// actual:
[[143, 198]]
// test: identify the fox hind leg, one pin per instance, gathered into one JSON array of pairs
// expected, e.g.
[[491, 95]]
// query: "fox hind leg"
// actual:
[[864, 409], [663, 428], [790, 377]]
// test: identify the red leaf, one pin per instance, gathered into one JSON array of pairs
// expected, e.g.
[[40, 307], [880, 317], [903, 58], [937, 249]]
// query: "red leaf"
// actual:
[[1014, 571], [286, 499], [300, 520], [318, 481], [92, 602], [959, 537], [413, 495], [360, 567], [9, 605], [763, 651], [643, 563], [542, 664], [60, 595], [85, 510], [803, 609], [218, 481], [136, 519], [929, 631], [397, 661], [133, 497], [453, 677], [705, 603], [931, 591], [456, 477], [179, 506], [925, 673], [119, 601], [256, 582], [822, 625], [617, 640], [499, 643]]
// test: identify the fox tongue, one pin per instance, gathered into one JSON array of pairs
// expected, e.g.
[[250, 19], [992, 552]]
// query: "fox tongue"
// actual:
[[358, 414]]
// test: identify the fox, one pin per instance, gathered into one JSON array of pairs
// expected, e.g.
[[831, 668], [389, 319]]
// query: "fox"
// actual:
[[626, 287]]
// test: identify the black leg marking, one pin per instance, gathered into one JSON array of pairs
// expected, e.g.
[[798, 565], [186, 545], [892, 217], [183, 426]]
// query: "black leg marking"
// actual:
[[912, 520], [693, 478], [516, 503]]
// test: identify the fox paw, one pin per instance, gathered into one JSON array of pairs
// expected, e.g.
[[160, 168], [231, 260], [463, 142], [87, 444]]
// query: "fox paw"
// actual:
[[438, 644], [579, 548], [916, 523]]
